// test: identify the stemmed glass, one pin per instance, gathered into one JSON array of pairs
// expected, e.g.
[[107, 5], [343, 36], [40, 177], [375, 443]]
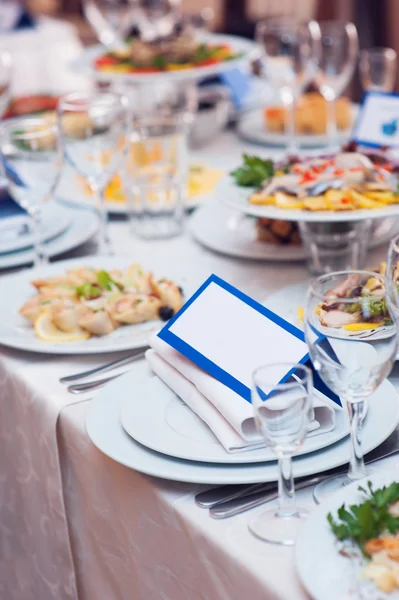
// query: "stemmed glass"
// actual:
[[5, 80], [94, 130], [351, 332], [291, 54], [31, 163], [339, 49], [282, 412], [377, 67]]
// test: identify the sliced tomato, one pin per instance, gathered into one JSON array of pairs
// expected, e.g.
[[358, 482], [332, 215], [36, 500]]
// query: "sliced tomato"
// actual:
[[104, 61]]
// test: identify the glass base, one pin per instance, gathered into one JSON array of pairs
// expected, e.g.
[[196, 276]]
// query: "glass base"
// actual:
[[329, 486], [270, 527]]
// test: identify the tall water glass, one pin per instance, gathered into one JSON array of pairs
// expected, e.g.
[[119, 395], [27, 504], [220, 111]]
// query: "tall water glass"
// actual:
[[5, 80], [94, 130], [156, 175], [351, 332], [339, 50], [291, 55], [31, 162], [377, 68], [282, 413]]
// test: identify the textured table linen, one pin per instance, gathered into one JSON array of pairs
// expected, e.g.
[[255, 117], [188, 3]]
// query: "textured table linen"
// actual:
[[76, 525]]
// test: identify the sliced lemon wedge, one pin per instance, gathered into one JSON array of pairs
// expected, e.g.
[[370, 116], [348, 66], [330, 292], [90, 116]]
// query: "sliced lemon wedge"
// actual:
[[48, 332], [360, 326]]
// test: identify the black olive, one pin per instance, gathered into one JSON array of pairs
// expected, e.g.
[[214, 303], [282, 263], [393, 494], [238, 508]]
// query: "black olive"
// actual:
[[165, 313]]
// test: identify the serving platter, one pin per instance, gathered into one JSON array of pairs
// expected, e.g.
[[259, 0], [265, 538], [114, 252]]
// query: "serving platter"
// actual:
[[104, 428], [227, 231], [237, 197], [338, 577], [252, 128], [167, 425], [16, 332], [247, 49]]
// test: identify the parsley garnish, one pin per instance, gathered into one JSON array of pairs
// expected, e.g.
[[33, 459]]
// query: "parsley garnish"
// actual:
[[254, 171], [366, 521]]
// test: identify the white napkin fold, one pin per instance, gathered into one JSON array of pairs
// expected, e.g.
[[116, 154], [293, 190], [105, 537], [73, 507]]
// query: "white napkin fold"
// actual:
[[227, 414]]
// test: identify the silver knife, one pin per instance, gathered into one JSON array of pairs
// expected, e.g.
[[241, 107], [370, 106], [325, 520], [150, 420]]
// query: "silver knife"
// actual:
[[240, 504]]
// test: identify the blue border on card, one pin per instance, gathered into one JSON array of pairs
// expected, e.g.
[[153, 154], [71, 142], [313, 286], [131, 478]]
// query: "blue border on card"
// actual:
[[365, 143], [205, 363]]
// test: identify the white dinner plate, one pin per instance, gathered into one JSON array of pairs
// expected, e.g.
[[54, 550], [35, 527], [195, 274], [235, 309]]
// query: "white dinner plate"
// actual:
[[83, 225], [338, 578], [106, 432], [166, 424], [55, 220], [247, 48], [252, 128], [225, 230], [237, 197], [17, 332]]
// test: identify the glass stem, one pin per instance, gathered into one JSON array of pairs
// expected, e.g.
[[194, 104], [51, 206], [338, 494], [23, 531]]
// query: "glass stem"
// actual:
[[286, 489], [289, 105], [332, 132], [357, 468], [36, 223], [105, 247]]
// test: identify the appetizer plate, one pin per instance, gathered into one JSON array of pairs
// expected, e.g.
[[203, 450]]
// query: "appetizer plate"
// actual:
[[248, 50], [83, 226], [106, 432], [166, 424], [72, 192], [16, 332], [55, 220], [224, 230], [238, 198], [338, 577], [252, 128]]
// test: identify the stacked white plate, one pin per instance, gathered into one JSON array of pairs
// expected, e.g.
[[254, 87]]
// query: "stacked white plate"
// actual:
[[139, 422], [64, 228]]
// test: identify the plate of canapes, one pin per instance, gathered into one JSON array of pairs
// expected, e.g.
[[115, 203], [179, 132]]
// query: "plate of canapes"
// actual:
[[86, 306], [267, 125], [351, 185]]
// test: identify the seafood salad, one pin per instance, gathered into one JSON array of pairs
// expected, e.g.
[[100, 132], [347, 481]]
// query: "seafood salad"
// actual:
[[87, 302], [368, 309], [370, 532], [347, 181]]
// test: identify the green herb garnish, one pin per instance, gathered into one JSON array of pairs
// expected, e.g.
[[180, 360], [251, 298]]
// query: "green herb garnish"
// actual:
[[254, 171], [366, 521], [88, 291]]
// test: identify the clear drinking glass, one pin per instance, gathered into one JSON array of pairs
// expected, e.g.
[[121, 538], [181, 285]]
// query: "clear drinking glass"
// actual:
[[377, 67], [392, 273], [94, 131], [291, 55], [351, 333], [5, 80], [156, 175], [336, 246], [31, 162], [339, 49], [282, 413]]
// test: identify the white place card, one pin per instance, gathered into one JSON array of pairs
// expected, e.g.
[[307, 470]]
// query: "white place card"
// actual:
[[377, 123], [228, 334]]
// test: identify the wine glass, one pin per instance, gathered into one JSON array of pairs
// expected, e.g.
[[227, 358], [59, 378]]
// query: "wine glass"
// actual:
[[31, 162], [392, 273], [282, 412], [377, 67], [5, 80], [291, 54], [94, 130], [351, 332], [339, 49]]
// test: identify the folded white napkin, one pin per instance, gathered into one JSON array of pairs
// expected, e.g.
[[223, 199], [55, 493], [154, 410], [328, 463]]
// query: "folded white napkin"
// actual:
[[228, 415]]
